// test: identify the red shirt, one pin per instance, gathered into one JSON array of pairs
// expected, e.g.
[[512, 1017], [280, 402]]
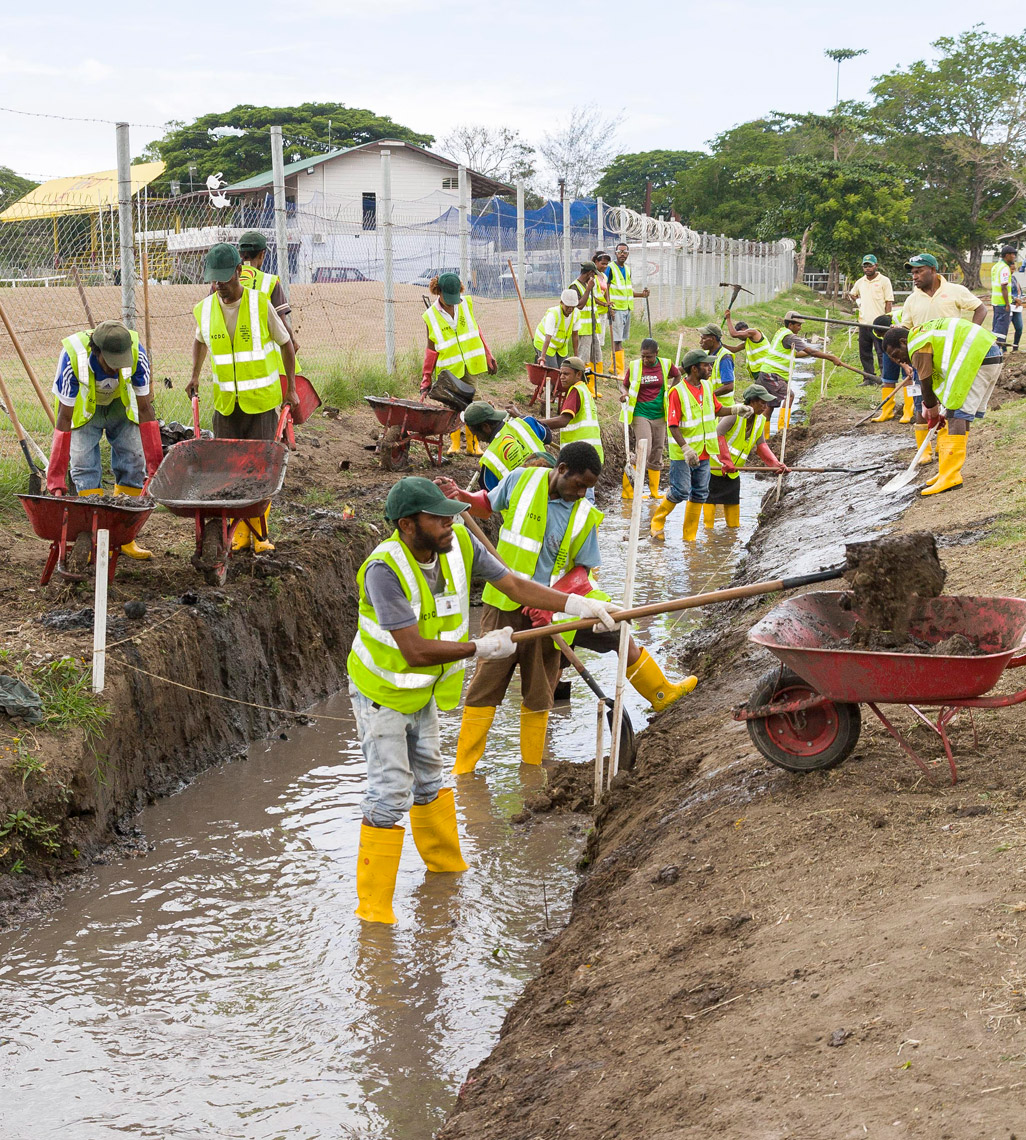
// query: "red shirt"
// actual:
[[651, 381], [572, 403], [674, 415]]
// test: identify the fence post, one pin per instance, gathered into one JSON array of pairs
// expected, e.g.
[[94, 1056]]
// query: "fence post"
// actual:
[[126, 231], [281, 232], [601, 228], [644, 250], [522, 329], [464, 229], [385, 221], [568, 274]]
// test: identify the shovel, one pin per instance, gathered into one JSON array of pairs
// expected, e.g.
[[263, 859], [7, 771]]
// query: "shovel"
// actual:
[[906, 477], [648, 313], [35, 484], [628, 469]]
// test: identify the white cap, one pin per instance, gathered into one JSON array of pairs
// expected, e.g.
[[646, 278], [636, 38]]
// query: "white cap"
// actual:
[[569, 297]]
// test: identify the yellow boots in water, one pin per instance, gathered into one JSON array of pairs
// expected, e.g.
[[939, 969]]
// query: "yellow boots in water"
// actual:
[[951, 457], [532, 735], [653, 485], [887, 411], [731, 513], [473, 734], [646, 676], [628, 488], [692, 517], [909, 408], [434, 832], [921, 434], [132, 549], [473, 447]]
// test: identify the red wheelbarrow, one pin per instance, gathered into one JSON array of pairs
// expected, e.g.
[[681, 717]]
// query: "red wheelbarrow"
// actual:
[[65, 519], [537, 374], [409, 421], [805, 714], [221, 482]]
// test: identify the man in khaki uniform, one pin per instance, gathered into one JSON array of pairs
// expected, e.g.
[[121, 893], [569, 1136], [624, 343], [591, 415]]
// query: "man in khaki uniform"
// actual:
[[874, 295], [934, 297]]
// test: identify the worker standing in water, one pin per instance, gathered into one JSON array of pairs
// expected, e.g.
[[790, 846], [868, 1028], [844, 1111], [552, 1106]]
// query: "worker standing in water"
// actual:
[[644, 408]]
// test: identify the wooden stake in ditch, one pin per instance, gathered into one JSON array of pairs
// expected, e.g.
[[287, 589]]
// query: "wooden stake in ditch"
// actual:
[[787, 421], [680, 349], [516, 283], [146, 305], [826, 348], [640, 463], [28, 367], [100, 609], [600, 750]]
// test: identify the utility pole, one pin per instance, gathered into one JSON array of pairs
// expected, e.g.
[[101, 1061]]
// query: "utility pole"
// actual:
[[281, 232], [126, 231]]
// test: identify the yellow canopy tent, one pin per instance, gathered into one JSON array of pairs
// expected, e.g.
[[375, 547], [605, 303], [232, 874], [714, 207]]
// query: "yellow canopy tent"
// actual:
[[79, 194]]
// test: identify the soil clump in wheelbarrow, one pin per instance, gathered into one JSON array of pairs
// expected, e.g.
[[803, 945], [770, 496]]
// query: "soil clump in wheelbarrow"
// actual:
[[135, 502]]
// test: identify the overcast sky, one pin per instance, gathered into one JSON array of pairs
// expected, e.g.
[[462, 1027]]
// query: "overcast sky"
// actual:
[[681, 72]]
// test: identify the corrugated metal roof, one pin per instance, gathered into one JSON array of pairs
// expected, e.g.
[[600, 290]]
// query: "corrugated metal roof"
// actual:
[[79, 194]]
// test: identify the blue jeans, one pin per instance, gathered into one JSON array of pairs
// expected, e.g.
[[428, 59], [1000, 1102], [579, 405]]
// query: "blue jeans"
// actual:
[[688, 483], [126, 453], [1002, 318], [404, 758], [1017, 325]]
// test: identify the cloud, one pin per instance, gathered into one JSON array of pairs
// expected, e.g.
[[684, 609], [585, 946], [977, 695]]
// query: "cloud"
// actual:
[[87, 70]]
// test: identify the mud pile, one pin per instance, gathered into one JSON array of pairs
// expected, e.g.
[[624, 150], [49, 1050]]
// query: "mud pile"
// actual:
[[888, 576]]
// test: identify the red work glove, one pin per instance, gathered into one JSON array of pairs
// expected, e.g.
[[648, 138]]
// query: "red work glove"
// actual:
[[57, 468], [933, 416], [428, 370], [725, 461], [152, 447], [489, 359], [762, 449], [575, 581], [480, 505]]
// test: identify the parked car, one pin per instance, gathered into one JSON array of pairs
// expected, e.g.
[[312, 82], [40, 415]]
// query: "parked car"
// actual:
[[425, 279], [333, 274]]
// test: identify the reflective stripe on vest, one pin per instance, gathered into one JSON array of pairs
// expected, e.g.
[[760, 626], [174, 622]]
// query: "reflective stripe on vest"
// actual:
[[715, 378], [562, 339], [698, 420], [457, 339], [586, 328], [584, 427], [523, 533], [777, 360], [77, 348], [958, 348], [247, 375], [377, 666], [996, 271], [634, 386], [514, 444], [621, 288], [740, 442], [755, 356]]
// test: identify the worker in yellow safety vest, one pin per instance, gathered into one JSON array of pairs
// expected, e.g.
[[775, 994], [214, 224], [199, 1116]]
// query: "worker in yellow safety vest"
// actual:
[[243, 335], [778, 363], [253, 251], [578, 417], [1001, 293], [592, 286], [558, 333], [621, 302], [736, 438], [512, 440], [407, 661], [754, 344], [102, 386], [710, 340], [644, 407], [455, 344], [958, 364]]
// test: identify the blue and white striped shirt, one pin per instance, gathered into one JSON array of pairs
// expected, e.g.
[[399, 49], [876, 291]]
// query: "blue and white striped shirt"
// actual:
[[65, 384]]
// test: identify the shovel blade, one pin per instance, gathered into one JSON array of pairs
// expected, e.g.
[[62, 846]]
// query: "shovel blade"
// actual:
[[628, 744]]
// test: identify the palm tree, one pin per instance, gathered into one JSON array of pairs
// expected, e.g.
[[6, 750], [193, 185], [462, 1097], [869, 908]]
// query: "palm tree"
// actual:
[[840, 55]]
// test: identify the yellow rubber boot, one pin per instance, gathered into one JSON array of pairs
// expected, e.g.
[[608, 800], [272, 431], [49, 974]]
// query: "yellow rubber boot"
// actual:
[[653, 482], [921, 434], [618, 365], [951, 456], [377, 864], [709, 514], [454, 444], [532, 735], [132, 549], [732, 513], [263, 545], [942, 431], [646, 676], [242, 539], [473, 447], [473, 733], [784, 418], [435, 834], [692, 515], [659, 517], [628, 488], [887, 411], [909, 410]]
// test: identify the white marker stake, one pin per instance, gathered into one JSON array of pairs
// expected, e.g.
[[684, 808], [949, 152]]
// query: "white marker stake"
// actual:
[[680, 349], [783, 434], [826, 348], [599, 750], [100, 609], [548, 396]]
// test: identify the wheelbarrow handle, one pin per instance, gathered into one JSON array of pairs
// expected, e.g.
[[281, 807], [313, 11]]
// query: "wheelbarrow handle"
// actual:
[[195, 417], [285, 429]]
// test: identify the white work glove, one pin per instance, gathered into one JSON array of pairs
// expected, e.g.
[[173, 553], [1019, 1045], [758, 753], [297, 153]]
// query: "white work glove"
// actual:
[[577, 605], [494, 645], [690, 456], [742, 410]]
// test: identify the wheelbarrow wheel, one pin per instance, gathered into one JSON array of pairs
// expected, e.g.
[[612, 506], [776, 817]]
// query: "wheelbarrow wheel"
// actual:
[[212, 560], [804, 741], [395, 452], [76, 567]]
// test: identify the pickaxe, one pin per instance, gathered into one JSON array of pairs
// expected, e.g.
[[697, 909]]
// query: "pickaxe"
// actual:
[[737, 289], [846, 324]]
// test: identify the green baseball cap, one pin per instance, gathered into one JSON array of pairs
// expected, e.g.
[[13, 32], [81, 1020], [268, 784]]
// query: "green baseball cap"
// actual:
[[869, 259], [758, 392], [693, 357], [711, 330], [114, 343], [415, 495], [589, 267], [221, 262], [481, 412], [253, 241], [922, 259], [451, 288]]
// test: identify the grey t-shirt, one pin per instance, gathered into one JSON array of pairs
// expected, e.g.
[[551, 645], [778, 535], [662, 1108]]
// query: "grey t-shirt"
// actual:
[[385, 592]]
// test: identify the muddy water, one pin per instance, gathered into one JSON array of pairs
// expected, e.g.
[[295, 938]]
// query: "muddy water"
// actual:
[[220, 986]]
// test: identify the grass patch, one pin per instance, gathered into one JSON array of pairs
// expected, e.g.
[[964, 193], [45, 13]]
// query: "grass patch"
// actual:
[[68, 702]]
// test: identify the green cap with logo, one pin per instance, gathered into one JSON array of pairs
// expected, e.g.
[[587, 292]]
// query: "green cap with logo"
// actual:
[[695, 356], [869, 259], [221, 262], [252, 241], [414, 495], [114, 343], [481, 412], [758, 392], [921, 259], [451, 288]]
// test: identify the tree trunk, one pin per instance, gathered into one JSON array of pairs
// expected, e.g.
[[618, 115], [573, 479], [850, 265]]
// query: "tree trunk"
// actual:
[[971, 267], [803, 252], [834, 280]]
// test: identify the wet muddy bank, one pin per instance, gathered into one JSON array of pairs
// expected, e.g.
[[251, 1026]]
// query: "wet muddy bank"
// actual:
[[274, 638]]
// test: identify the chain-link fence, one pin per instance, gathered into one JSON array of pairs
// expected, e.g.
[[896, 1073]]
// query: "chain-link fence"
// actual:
[[60, 272]]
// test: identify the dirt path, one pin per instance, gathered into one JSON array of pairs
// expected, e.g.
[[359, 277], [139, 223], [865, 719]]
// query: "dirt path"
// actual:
[[761, 956]]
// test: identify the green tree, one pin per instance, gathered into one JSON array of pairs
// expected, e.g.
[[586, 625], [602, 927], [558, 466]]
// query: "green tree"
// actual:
[[839, 56], [624, 181], [237, 143], [959, 124], [13, 187]]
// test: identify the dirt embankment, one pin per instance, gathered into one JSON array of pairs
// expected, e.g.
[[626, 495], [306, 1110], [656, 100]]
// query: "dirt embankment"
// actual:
[[759, 955]]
